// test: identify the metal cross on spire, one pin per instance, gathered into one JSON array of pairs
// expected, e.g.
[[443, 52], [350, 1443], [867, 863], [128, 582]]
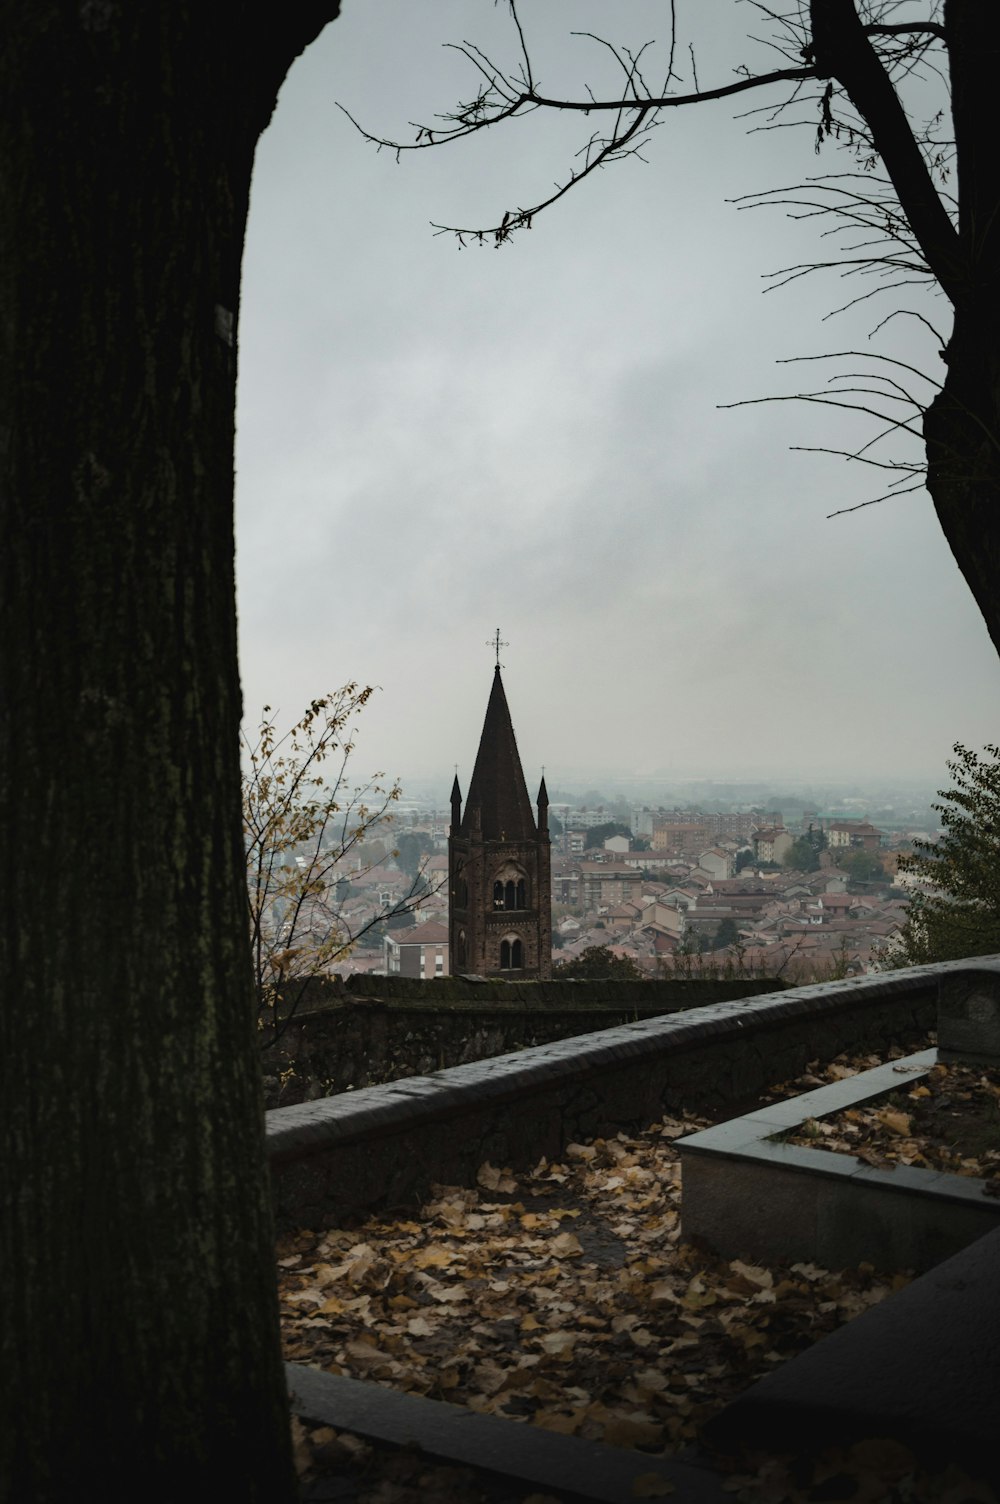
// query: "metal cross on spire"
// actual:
[[496, 642]]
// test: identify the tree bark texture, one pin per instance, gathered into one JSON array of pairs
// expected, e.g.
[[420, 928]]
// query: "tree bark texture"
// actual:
[[138, 1324]]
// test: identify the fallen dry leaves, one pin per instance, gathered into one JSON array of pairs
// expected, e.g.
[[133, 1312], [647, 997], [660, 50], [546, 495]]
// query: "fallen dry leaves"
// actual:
[[948, 1120], [563, 1297]]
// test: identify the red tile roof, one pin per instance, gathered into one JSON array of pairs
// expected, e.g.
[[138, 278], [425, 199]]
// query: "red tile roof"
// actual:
[[429, 933]]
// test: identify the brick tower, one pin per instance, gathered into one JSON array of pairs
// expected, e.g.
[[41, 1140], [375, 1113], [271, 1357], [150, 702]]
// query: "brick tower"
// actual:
[[500, 902]]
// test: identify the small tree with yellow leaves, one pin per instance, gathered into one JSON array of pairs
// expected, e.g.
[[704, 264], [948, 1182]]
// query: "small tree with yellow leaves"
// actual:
[[305, 828]]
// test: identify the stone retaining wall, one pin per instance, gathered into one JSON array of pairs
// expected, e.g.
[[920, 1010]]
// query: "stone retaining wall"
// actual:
[[381, 1148], [368, 1030]]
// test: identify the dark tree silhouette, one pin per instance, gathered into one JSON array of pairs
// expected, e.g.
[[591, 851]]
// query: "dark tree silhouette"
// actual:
[[597, 963], [139, 1317], [918, 204], [598, 834]]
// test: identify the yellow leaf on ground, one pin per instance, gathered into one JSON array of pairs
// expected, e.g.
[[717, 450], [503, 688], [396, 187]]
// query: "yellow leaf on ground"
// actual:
[[451, 1212], [559, 1344], [488, 1377], [435, 1257], [562, 1422], [662, 1290], [365, 1352], [896, 1122], [786, 1288], [757, 1275], [531, 1221], [566, 1246], [697, 1300], [810, 1271]]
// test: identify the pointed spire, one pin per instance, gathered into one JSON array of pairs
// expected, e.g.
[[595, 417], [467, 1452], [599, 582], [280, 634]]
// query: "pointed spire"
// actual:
[[498, 795], [456, 805], [543, 805]]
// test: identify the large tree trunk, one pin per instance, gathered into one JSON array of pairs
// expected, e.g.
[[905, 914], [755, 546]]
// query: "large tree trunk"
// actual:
[[139, 1328], [962, 432]]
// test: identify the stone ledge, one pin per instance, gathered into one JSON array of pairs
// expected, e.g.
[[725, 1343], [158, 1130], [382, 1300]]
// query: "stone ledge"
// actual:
[[969, 1013], [527, 1455], [747, 1196], [300, 1129], [383, 1147]]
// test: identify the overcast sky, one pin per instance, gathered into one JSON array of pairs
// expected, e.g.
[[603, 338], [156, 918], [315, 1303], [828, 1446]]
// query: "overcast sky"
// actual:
[[434, 442]]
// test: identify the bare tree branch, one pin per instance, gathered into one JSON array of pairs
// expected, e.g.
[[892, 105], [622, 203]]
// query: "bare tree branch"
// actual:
[[301, 826]]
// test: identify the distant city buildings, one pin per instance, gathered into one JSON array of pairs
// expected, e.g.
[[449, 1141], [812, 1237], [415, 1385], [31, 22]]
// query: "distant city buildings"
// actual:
[[683, 882], [772, 843], [857, 833], [420, 951]]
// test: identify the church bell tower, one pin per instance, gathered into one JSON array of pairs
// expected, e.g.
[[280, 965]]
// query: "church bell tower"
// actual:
[[500, 901]]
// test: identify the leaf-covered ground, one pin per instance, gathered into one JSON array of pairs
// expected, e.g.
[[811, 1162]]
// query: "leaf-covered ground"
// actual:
[[564, 1297], [948, 1120]]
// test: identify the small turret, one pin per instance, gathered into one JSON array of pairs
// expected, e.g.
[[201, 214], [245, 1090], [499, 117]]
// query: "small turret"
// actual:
[[542, 803]]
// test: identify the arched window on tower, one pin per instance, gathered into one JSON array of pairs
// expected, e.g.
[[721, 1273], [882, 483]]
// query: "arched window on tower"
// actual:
[[460, 948], [510, 888], [511, 953]]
